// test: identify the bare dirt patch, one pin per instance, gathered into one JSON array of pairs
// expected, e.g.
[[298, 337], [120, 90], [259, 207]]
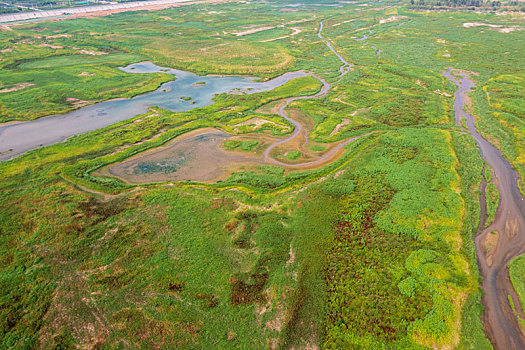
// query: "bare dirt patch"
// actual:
[[295, 32], [75, 102], [442, 93], [338, 127], [391, 19], [259, 122], [86, 74], [252, 31], [499, 27], [58, 36], [344, 22], [17, 87], [56, 47], [92, 53]]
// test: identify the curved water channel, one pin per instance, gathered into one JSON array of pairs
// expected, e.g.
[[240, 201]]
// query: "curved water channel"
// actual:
[[18, 138], [507, 230], [343, 70], [190, 152]]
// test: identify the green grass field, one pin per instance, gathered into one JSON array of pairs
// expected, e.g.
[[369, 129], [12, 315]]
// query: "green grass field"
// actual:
[[516, 271]]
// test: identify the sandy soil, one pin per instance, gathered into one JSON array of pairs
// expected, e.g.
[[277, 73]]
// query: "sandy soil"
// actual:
[[295, 32], [442, 93], [339, 126], [58, 36], [391, 19], [86, 74], [499, 27], [252, 31], [92, 53], [344, 22], [17, 87], [75, 102], [56, 47]]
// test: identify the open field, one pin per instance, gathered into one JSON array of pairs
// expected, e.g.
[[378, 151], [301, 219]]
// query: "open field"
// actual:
[[517, 273], [169, 230]]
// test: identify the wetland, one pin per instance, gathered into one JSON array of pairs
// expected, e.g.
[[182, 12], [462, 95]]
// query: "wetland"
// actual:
[[17, 138], [507, 228], [364, 192]]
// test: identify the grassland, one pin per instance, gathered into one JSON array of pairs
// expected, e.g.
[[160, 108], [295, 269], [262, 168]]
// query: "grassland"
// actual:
[[149, 264], [516, 272], [372, 251]]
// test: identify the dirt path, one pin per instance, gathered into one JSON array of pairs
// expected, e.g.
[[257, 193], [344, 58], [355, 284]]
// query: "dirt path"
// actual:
[[503, 240]]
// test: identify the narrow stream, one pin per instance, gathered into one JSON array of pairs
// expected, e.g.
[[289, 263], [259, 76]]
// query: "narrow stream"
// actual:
[[364, 37], [508, 228], [343, 70]]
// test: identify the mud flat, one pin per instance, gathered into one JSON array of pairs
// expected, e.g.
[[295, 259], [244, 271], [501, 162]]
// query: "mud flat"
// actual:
[[502, 240], [196, 156]]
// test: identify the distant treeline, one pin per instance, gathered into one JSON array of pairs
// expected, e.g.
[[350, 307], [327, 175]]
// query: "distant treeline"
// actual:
[[468, 4]]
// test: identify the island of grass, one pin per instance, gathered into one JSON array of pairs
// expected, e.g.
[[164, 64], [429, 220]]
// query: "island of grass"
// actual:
[[517, 277], [318, 148], [293, 155], [242, 145]]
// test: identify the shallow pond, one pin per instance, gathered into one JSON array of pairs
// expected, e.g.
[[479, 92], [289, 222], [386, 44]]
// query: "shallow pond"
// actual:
[[195, 156]]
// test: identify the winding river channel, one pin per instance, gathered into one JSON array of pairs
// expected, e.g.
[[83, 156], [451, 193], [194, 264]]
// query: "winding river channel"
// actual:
[[18, 138], [343, 70], [187, 92], [508, 230], [188, 157]]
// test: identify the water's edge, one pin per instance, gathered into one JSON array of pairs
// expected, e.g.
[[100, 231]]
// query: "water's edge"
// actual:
[[182, 94], [501, 324]]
